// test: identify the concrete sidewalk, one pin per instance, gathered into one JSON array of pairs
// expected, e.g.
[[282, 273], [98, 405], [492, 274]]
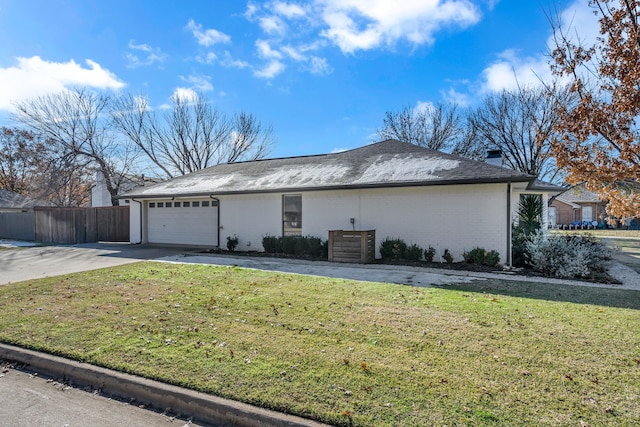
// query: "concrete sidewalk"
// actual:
[[400, 274]]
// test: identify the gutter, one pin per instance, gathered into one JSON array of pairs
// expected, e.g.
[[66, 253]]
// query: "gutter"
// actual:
[[509, 231]]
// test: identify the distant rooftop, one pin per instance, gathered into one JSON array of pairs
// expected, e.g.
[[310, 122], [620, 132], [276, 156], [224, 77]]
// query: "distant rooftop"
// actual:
[[9, 199], [388, 163]]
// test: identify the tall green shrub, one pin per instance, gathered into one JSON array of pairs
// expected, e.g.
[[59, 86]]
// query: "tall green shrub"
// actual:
[[530, 210]]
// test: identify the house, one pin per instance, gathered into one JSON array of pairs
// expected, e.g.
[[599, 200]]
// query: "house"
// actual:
[[13, 201], [397, 189], [577, 207], [100, 196]]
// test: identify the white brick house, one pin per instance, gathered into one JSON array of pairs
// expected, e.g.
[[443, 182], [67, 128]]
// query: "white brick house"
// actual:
[[397, 189]]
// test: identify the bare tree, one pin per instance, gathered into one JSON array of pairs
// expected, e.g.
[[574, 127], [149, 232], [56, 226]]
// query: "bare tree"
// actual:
[[75, 121], [192, 135], [432, 126], [521, 124], [17, 160], [439, 127]]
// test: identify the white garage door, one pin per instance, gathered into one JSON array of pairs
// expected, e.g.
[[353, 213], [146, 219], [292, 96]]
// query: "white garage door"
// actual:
[[192, 222]]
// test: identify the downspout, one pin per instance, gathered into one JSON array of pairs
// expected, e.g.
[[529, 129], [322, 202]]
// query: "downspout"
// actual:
[[140, 203], [218, 216], [509, 219]]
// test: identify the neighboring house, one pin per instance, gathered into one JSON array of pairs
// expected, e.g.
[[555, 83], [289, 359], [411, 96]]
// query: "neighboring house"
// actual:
[[101, 197], [579, 207], [14, 201], [576, 206], [397, 189]]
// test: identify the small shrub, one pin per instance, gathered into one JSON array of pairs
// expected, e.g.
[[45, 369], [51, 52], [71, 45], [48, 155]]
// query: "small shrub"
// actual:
[[288, 245], [414, 253], [429, 254], [314, 246], [270, 244], [296, 246], [447, 256], [475, 256], [481, 257], [393, 249], [232, 243], [492, 258], [573, 256], [519, 240]]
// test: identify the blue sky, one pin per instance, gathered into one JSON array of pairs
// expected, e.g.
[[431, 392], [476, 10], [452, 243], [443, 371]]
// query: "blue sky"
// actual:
[[322, 72]]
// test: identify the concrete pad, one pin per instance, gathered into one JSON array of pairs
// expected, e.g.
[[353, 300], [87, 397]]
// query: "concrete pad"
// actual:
[[29, 263]]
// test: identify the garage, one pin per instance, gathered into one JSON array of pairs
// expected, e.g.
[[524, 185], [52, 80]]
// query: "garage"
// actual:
[[183, 222]]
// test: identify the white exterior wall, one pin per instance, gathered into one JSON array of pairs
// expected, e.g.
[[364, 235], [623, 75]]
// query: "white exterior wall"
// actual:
[[454, 217], [250, 217], [135, 228], [99, 194]]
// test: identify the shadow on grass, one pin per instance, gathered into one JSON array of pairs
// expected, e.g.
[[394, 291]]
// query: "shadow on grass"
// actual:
[[620, 298]]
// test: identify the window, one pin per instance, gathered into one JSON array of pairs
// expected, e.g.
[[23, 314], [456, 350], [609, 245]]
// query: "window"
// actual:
[[152, 204], [292, 215], [205, 203], [160, 204], [195, 204], [176, 204], [186, 204], [167, 205]]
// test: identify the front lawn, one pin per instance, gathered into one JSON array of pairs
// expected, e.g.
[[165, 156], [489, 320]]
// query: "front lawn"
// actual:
[[347, 352]]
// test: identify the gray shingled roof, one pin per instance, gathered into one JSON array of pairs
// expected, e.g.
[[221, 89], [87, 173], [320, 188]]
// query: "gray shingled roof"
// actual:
[[388, 163], [9, 199], [578, 194]]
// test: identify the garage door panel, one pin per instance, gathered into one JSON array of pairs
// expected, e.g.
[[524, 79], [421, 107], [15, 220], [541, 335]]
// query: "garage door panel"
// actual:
[[182, 225]]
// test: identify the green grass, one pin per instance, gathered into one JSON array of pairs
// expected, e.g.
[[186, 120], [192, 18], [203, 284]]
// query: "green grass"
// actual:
[[347, 352]]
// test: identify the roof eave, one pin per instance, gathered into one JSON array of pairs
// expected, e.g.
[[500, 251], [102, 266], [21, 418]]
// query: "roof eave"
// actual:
[[334, 187]]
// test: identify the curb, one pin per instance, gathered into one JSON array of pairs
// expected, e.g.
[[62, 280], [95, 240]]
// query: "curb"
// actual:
[[202, 407]]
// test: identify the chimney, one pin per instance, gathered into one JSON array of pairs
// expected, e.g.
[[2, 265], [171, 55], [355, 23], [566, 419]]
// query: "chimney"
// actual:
[[494, 157]]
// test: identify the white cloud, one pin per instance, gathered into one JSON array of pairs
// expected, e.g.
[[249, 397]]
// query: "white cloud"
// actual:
[[184, 94], [33, 77], [423, 107], [512, 71], [580, 23], [229, 62], [296, 31], [265, 51], [293, 53], [367, 24], [272, 25], [319, 66], [452, 96], [207, 37], [201, 83], [149, 57], [209, 58], [289, 10], [272, 69]]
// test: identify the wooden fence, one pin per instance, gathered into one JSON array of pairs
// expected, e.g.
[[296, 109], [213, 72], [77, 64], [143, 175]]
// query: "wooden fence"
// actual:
[[352, 246], [67, 225], [17, 224]]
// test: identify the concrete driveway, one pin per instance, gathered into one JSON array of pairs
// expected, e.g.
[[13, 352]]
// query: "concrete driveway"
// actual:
[[44, 261]]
